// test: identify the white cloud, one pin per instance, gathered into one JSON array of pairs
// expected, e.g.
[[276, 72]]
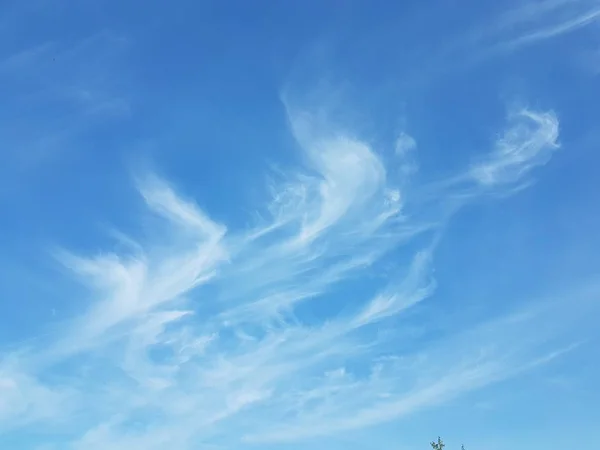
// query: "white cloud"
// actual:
[[194, 331], [519, 26], [405, 148], [538, 21], [529, 141], [401, 294], [25, 400], [404, 144]]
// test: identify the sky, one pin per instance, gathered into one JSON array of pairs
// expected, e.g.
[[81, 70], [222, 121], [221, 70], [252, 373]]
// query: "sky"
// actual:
[[299, 225]]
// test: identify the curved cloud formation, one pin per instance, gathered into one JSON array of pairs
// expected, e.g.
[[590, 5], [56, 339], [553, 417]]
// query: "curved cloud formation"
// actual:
[[529, 141], [195, 331]]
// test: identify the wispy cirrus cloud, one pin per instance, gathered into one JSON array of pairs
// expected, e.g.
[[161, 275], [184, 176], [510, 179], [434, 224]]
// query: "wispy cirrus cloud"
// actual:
[[513, 27], [24, 400], [75, 79], [528, 142], [533, 22], [197, 330]]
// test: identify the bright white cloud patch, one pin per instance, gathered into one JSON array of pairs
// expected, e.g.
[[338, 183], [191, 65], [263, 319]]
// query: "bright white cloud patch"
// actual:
[[199, 331]]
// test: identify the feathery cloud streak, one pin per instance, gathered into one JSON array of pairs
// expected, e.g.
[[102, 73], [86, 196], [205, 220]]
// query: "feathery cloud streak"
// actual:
[[197, 330]]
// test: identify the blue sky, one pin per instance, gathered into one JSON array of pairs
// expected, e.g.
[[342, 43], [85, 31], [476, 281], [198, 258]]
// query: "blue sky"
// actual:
[[299, 225]]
